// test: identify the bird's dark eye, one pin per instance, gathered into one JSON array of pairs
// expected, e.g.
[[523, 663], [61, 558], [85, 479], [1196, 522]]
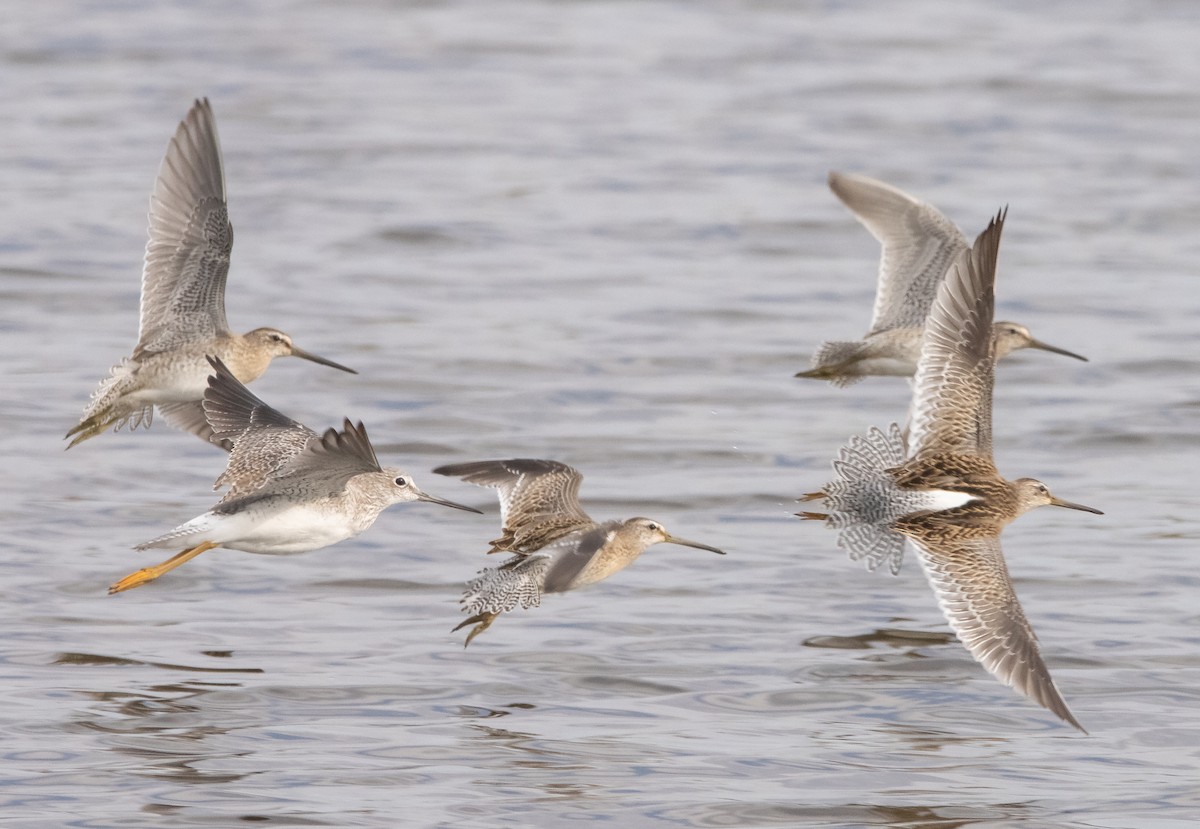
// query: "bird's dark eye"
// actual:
[[401, 482], [652, 526]]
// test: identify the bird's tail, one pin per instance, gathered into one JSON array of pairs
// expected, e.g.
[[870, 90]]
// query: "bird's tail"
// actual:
[[830, 361], [201, 524], [106, 409], [517, 581], [863, 500]]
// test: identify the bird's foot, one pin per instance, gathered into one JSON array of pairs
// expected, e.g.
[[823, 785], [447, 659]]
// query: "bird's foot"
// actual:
[[149, 574], [482, 622]]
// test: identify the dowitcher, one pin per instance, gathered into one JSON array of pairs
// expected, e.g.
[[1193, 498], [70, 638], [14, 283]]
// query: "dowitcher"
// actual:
[[557, 546], [183, 298], [290, 489], [919, 244], [946, 495]]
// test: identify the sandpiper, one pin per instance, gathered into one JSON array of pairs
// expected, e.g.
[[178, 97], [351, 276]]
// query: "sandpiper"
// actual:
[[183, 299], [557, 546], [290, 489], [945, 494], [919, 244]]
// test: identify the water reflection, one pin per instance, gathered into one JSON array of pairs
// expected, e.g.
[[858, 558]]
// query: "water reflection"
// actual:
[[169, 729], [558, 770], [849, 815], [550, 232], [103, 659], [892, 637], [174, 729]]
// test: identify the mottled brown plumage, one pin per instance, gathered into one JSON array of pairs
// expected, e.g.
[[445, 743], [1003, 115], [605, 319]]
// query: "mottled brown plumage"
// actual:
[[557, 546], [183, 299], [539, 500], [919, 245], [946, 495]]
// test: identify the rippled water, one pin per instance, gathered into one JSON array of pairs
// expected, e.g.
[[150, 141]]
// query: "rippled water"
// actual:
[[599, 232]]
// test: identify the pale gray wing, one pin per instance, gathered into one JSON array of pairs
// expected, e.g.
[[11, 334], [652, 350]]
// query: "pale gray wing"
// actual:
[[573, 557], [976, 595], [952, 392], [187, 257], [268, 445], [319, 470], [539, 499], [919, 243], [263, 440]]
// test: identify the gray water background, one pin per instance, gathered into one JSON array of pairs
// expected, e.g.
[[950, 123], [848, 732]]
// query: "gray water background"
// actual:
[[600, 232]]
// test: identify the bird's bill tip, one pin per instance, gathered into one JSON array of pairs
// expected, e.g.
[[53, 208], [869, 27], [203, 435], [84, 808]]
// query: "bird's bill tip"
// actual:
[[1059, 502], [317, 358], [1053, 349], [683, 542], [432, 499]]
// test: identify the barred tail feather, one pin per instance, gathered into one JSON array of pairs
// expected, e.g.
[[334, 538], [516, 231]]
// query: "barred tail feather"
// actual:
[[864, 499], [111, 387], [106, 408], [873, 545], [831, 360], [517, 581]]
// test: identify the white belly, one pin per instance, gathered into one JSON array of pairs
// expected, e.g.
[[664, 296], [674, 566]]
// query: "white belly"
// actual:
[[281, 532], [296, 530]]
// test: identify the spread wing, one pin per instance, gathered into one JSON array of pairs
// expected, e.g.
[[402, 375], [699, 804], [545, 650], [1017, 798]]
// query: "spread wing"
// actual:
[[952, 396], [271, 452], [539, 499], [976, 595], [187, 257], [919, 243]]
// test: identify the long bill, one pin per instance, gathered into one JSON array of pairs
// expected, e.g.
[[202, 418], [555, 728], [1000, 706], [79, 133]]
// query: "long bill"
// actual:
[[683, 542], [1059, 502], [425, 496], [316, 358], [1053, 349]]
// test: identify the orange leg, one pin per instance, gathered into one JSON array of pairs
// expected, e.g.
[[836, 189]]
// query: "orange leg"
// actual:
[[149, 574]]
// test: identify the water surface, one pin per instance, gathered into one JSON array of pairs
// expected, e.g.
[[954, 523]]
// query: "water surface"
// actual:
[[599, 232]]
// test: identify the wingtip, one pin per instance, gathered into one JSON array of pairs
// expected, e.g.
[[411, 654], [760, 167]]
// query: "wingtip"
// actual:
[[1056, 705], [997, 221]]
